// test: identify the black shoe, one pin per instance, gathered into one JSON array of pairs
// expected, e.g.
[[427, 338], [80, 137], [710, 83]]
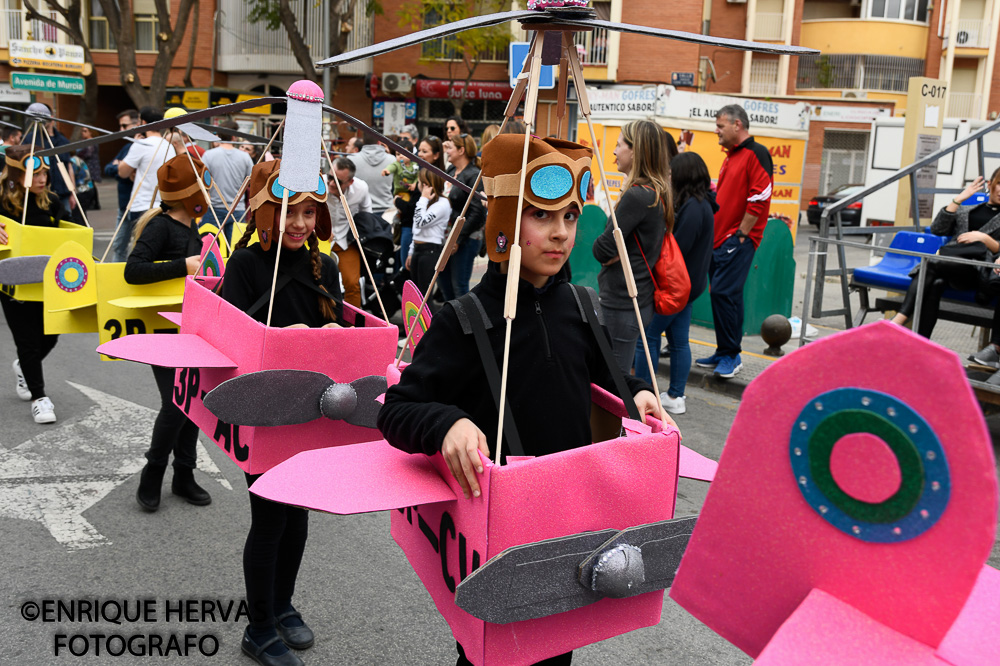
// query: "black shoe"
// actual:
[[185, 486], [150, 481], [297, 638], [258, 654]]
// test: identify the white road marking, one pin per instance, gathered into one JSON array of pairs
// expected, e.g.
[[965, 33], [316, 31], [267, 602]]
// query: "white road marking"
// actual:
[[57, 475]]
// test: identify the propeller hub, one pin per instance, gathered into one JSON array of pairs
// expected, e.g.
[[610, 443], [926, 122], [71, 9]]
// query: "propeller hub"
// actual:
[[618, 571], [338, 401]]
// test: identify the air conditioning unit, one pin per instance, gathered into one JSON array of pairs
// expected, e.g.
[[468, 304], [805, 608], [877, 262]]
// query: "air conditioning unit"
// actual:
[[396, 82], [737, 2], [967, 38], [854, 94]]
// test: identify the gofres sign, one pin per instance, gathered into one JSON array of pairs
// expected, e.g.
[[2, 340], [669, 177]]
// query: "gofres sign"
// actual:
[[675, 103]]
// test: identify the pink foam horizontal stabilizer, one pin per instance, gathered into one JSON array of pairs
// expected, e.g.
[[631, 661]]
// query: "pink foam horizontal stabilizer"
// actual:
[[168, 350], [173, 317], [359, 478], [693, 465], [975, 636], [824, 631]]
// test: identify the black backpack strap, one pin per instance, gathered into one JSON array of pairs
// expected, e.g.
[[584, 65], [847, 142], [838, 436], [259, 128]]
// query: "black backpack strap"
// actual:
[[266, 296], [472, 317], [586, 299]]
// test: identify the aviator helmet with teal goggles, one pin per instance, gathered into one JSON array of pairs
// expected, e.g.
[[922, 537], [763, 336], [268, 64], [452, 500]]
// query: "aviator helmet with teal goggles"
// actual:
[[557, 175]]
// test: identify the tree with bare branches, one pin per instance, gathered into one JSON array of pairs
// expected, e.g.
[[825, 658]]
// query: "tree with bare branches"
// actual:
[[69, 22], [276, 14], [121, 24]]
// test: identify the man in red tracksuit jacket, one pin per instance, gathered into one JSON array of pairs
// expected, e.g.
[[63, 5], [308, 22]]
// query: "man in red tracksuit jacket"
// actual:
[[744, 197]]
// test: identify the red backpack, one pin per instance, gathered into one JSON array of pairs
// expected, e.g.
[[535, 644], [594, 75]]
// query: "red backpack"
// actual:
[[671, 283]]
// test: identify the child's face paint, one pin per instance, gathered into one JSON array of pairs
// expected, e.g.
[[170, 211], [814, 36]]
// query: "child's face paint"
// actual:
[[546, 240], [299, 225]]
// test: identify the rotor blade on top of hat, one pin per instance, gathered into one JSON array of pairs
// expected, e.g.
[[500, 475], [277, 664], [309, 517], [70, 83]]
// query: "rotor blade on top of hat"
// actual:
[[243, 135], [679, 35], [161, 125], [425, 36], [343, 115], [58, 120]]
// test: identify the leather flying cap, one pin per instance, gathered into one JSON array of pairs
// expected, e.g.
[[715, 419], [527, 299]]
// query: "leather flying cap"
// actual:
[[558, 174], [178, 184], [265, 202]]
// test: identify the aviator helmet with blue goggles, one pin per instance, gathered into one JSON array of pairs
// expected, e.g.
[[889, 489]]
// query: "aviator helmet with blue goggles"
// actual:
[[265, 201], [28, 161], [557, 175]]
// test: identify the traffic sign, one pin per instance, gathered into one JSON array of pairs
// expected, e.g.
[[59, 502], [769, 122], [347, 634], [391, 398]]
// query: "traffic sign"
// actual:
[[47, 55], [518, 54], [53, 83]]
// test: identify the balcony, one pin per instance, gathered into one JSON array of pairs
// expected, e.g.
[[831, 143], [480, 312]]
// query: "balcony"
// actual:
[[14, 26], [971, 34], [857, 72], [888, 38], [768, 26], [763, 77], [964, 105], [251, 47]]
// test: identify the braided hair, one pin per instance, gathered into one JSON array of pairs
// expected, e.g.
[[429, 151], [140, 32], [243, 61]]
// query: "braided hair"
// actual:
[[326, 307], [247, 235]]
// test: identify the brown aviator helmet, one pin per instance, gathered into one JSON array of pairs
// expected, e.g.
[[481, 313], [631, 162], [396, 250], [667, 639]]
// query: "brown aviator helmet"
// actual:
[[265, 202], [558, 174], [17, 159], [178, 184]]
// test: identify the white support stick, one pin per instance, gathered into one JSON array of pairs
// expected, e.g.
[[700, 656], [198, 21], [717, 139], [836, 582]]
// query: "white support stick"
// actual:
[[449, 246], [277, 255], [135, 190], [584, 101], [514, 266], [29, 173], [357, 237], [208, 199], [66, 178]]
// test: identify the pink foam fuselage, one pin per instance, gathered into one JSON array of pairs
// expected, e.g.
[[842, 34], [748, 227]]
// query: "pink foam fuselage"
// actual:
[[344, 354]]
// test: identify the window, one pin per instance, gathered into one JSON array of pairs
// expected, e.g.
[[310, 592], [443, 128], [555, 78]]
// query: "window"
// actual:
[[146, 28], [447, 48], [868, 72], [905, 10]]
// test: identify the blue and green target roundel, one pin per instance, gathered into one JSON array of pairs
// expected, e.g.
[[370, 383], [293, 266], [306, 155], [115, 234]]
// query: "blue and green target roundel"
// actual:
[[924, 479]]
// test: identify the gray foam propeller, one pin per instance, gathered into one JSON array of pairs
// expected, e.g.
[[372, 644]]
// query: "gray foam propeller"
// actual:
[[291, 397], [23, 270]]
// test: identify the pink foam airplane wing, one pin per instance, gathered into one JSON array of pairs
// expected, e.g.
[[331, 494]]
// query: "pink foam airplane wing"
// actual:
[[182, 350], [173, 317], [693, 465], [358, 478]]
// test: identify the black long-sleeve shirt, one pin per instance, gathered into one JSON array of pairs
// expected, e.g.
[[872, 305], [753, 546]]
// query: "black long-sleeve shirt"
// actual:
[[554, 359], [248, 277], [694, 227], [640, 216], [161, 251], [475, 217], [36, 216]]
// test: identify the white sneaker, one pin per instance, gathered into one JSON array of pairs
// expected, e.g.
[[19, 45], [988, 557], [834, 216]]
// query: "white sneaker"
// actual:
[[673, 405], [43, 411], [23, 392]]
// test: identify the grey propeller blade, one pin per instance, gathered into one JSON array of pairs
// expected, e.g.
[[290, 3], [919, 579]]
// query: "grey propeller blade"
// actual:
[[556, 575], [243, 135], [291, 397], [23, 270], [159, 125]]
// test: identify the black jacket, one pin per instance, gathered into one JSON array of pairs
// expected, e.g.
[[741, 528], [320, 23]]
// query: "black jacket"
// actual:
[[37, 217], [641, 218], [554, 359], [248, 277], [475, 217], [161, 251], [694, 231]]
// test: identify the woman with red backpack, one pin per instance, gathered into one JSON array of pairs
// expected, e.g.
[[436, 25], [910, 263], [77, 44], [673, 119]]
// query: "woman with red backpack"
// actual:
[[694, 210]]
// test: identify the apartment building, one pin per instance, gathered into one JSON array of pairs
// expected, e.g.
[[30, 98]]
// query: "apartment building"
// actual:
[[869, 50]]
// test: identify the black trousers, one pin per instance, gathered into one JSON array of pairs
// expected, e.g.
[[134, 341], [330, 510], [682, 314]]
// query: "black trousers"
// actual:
[[27, 326], [938, 278], [559, 660], [727, 272], [425, 256], [172, 431], [272, 556]]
